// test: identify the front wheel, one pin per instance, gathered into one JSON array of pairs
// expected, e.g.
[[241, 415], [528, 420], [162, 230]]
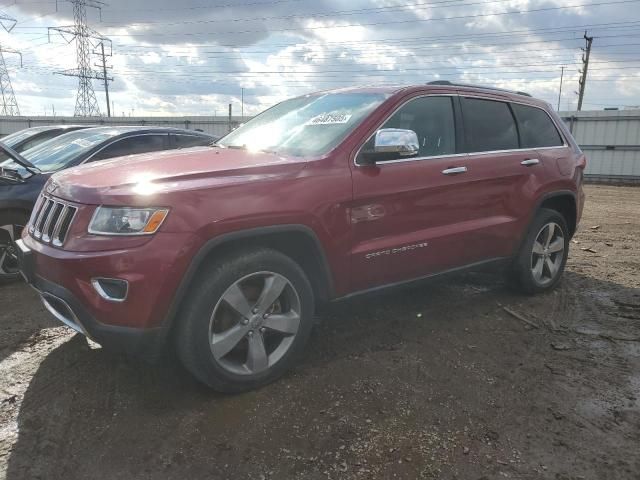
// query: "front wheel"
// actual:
[[542, 257], [11, 226], [246, 321]]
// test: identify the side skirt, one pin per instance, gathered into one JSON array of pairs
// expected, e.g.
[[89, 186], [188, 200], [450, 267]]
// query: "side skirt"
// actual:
[[499, 261]]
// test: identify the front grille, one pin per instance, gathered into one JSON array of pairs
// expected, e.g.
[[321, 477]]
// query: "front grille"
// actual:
[[51, 220]]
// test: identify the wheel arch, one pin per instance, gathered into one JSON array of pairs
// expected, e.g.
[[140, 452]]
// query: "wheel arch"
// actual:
[[296, 241], [563, 202]]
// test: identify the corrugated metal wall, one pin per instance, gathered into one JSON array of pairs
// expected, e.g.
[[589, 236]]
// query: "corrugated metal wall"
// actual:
[[611, 141], [217, 126]]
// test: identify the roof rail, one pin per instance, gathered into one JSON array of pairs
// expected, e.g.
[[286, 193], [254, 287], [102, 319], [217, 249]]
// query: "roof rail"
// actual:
[[447, 82]]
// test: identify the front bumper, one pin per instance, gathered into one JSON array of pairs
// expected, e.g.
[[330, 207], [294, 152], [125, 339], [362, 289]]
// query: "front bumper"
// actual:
[[147, 343], [63, 280]]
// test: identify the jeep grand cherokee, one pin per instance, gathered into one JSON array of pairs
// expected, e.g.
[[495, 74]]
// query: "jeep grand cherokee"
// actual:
[[225, 251]]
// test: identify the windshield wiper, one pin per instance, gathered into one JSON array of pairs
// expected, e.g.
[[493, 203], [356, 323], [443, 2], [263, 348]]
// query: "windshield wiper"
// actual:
[[16, 157]]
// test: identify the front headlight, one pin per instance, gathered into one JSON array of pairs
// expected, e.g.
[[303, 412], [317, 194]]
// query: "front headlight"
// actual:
[[127, 220]]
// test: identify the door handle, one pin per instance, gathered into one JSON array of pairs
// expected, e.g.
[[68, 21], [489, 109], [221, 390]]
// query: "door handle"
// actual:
[[454, 170], [530, 162]]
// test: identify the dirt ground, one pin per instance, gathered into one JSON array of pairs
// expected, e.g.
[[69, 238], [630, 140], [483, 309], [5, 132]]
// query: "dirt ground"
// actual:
[[439, 381]]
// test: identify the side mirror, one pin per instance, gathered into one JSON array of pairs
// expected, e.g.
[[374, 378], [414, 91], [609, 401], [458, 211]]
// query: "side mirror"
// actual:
[[391, 143]]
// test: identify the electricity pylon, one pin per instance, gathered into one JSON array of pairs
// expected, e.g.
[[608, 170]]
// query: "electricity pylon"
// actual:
[[85, 38]]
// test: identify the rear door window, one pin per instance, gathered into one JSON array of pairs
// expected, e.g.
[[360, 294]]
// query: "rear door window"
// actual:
[[186, 141], [133, 145], [489, 125], [536, 127]]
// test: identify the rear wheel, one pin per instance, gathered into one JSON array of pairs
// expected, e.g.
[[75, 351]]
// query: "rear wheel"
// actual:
[[247, 321], [11, 226], [542, 257]]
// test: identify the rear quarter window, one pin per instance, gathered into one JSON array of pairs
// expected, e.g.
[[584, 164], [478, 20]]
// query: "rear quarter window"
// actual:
[[143, 143], [536, 127]]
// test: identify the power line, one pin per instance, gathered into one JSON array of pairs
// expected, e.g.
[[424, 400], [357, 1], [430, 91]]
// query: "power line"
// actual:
[[399, 62], [390, 22], [420, 20], [252, 82], [400, 57], [208, 7], [330, 13], [385, 71], [569, 57], [440, 39], [530, 77], [445, 51]]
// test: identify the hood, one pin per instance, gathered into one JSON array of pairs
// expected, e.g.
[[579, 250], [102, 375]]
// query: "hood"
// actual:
[[137, 179]]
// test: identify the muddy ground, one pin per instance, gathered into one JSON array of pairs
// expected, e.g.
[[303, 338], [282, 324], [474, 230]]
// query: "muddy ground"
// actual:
[[438, 381]]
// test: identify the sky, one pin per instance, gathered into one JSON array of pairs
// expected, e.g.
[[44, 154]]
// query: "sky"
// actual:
[[194, 57]]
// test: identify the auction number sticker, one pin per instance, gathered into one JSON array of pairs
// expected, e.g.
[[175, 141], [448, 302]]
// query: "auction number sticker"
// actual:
[[81, 142], [329, 119]]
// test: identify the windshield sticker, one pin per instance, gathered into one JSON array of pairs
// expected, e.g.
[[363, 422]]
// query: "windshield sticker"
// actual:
[[81, 142], [329, 119]]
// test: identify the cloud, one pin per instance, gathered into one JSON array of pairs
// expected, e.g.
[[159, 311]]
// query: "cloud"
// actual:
[[195, 58]]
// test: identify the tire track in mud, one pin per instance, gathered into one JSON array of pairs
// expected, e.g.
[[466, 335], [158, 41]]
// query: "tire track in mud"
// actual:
[[371, 324], [461, 391], [596, 371]]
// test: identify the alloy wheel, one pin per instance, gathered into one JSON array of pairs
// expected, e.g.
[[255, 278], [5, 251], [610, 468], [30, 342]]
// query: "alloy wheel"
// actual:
[[254, 323], [547, 254], [8, 256]]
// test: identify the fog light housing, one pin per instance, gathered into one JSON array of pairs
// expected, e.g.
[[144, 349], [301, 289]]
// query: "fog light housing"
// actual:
[[111, 289]]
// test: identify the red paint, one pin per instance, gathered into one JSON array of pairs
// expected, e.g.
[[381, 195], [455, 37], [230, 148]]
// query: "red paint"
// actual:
[[355, 211]]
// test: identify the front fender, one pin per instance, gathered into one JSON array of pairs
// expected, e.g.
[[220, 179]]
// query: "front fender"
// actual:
[[231, 238]]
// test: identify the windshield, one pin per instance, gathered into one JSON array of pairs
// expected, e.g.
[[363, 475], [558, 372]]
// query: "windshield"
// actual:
[[58, 152], [305, 126]]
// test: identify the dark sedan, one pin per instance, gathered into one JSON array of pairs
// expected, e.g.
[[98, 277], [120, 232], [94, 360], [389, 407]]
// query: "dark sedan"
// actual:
[[22, 179], [32, 137]]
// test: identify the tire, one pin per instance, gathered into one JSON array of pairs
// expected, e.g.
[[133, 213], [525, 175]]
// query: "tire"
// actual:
[[209, 325], [540, 270], [11, 225]]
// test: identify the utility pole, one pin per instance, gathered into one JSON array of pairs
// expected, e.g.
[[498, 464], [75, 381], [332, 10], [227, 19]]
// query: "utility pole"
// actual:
[[585, 65], [85, 38], [105, 78], [560, 91], [9, 102], [242, 104]]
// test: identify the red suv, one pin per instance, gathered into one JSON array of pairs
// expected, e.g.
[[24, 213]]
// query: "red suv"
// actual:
[[225, 251]]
